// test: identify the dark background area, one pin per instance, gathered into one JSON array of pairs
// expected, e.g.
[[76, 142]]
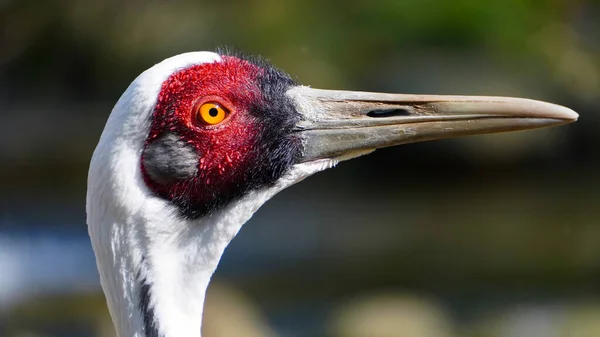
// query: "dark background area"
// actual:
[[482, 236]]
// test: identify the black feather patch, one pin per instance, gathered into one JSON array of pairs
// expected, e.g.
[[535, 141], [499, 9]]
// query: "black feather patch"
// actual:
[[146, 310]]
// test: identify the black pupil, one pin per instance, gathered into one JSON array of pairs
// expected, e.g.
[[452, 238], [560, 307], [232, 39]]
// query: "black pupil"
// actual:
[[213, 112]]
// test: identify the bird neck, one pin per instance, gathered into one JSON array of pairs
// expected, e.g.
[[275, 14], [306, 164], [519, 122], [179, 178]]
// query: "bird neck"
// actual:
[[154, 264], [175, 270]]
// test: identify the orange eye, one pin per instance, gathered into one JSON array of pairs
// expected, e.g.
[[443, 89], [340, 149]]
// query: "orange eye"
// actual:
[[211, 113]]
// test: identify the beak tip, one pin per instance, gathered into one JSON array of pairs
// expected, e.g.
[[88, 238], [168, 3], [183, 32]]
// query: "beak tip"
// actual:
[[566, 115], [572, 116], [561, 114]]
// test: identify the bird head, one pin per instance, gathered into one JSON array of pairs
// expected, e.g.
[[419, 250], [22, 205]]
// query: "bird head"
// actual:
[[198, 142], [223, 128], [219, 130]]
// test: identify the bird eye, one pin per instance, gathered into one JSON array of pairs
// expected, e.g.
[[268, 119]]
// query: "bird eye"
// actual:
[[211, 113]]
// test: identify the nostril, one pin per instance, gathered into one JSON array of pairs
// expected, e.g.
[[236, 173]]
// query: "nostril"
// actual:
[[381, 113]]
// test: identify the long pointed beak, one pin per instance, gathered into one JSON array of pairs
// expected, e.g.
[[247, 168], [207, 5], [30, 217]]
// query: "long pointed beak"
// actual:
[[344, 124]]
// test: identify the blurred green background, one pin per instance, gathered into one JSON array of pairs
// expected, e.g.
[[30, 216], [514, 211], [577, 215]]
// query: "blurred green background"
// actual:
[[489, 236]]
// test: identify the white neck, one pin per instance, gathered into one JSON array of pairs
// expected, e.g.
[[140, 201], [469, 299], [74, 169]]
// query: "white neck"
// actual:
[[140, 239], [174, 257]]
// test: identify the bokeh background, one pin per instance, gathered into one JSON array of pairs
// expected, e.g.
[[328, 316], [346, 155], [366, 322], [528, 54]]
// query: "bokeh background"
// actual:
[[489, 236]]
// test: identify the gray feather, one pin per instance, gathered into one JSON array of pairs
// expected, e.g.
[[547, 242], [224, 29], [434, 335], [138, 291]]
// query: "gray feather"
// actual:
[[168, 159]]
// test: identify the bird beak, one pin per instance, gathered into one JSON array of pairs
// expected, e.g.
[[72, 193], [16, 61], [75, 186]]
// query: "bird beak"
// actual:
[[344, 124]]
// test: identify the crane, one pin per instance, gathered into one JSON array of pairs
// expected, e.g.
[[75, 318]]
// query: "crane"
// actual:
[[198, 142]]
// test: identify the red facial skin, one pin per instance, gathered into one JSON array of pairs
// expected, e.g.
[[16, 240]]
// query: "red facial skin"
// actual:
[[226, 151]]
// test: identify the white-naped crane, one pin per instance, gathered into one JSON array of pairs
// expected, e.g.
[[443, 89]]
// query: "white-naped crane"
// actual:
[[198, 142]]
